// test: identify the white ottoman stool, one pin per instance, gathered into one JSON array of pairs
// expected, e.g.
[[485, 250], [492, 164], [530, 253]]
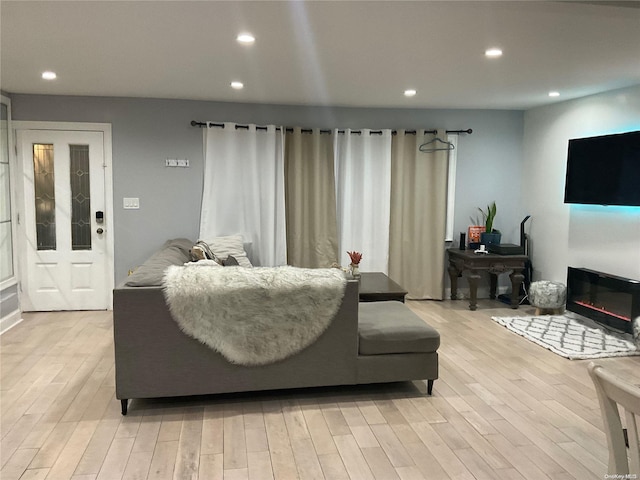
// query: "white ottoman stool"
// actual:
[[548, 297]]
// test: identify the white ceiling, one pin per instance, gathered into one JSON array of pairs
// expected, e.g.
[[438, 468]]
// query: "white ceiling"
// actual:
[[350, 53]]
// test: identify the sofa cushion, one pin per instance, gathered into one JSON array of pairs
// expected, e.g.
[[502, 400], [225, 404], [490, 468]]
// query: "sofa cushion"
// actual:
[[390, 327], [151, 272]]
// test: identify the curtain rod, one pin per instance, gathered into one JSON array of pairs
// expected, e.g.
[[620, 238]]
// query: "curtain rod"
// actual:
[[309, 130]]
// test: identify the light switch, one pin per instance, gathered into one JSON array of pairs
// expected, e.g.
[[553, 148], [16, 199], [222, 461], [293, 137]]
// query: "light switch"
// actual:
[[131, 203]]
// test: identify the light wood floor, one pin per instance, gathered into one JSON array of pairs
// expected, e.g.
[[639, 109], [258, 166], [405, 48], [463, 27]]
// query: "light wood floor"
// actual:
[[503, 408]]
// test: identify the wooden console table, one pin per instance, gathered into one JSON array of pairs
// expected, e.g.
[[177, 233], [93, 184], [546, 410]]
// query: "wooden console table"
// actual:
[[376, 287], [474, 263]]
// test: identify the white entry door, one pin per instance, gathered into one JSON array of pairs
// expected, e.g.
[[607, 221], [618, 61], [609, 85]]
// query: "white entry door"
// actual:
[[64, 227]]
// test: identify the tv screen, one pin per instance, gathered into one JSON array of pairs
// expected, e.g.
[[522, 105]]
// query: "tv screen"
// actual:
[[604, 170]]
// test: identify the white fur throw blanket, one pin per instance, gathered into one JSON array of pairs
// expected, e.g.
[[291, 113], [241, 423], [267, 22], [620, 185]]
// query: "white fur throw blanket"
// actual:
[[254, 316]]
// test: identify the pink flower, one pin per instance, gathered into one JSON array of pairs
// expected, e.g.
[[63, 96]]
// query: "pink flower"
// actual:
[[355, 257]]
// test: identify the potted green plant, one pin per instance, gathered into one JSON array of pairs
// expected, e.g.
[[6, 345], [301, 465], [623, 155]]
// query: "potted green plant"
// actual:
[[490, 235]]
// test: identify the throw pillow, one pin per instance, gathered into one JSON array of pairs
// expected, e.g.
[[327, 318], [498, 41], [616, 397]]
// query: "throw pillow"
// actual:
[[230, 261], [151, 272], [232, 245], [197, 254], [202, 251]]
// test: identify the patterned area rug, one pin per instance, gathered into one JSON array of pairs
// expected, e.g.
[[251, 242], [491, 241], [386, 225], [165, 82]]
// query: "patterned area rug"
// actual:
[[571, 337]]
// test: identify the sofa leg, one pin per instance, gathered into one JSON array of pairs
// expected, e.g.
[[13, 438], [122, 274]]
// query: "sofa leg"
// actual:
[[429, 387], [124, 403]]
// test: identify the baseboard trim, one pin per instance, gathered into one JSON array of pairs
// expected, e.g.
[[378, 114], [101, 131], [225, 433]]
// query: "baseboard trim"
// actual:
[[9, 321]]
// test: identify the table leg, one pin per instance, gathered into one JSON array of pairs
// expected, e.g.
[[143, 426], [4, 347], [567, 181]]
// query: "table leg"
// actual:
[[453, 277], [473, 290], [493, 285], [516, 280]]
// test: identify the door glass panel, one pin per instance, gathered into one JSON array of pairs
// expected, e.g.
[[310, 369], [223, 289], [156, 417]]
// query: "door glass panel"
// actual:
[[45, 200], [80, 197], [6, 247]]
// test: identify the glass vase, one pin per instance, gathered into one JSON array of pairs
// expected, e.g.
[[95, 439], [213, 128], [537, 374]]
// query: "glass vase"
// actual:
[[355, 270]]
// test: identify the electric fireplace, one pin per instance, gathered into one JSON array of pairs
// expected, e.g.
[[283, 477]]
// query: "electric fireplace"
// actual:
[[607, 299]]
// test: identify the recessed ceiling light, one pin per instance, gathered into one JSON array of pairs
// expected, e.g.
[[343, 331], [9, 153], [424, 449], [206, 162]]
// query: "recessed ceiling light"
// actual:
[[554, 94], [410, 93], [493, 52], [48, 75], [237, 85], [245, 38]]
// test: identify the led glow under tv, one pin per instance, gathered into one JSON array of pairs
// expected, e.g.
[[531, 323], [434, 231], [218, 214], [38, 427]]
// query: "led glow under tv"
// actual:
[[604, 170]]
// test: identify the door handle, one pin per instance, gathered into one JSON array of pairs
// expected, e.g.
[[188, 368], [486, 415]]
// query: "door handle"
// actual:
[[100, 230]]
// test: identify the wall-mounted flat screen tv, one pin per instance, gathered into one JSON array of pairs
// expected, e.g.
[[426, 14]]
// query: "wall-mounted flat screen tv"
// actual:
[[604, 170]]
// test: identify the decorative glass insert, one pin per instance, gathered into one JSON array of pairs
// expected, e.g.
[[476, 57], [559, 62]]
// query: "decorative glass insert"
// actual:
[[6, 247], [45, 198], [80, 197]]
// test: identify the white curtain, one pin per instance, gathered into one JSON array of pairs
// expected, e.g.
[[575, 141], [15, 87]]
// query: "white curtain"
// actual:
[[363, 184], [244, 189]]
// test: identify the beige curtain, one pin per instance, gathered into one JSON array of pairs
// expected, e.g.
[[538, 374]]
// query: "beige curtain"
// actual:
[[310, 198], [418, 215]]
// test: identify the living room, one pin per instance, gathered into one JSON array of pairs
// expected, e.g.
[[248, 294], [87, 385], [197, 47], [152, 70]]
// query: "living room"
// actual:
[[515, 156]]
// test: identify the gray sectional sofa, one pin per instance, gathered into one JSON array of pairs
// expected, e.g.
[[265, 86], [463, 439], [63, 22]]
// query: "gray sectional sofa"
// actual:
[[365, 343]]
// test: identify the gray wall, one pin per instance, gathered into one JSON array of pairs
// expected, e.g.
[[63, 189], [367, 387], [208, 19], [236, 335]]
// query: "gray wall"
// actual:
[[147, 131]]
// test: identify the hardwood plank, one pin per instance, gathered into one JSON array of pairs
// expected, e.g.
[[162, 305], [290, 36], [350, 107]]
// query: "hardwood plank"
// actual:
[[259, 466], [54, 444], [294, 419], [398, 455], [370, 412], [18, 433], [188, 455], [364, 436], [335, 420], [163, 461], [116, 460], [138, 465], [84, 398], [409, 473], [235, 446], [17, 464], [441, 451], [211, 442], [319, 431], [171, 425], [147, 433], [306, 459], [524, 465], [282, 459], [426, 462], [332, 466], [352, 458], [35, 474], [98, 446], [595, 466], [236, 474], [379, 463], [66, 464], [256, 439], [211, 467]]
